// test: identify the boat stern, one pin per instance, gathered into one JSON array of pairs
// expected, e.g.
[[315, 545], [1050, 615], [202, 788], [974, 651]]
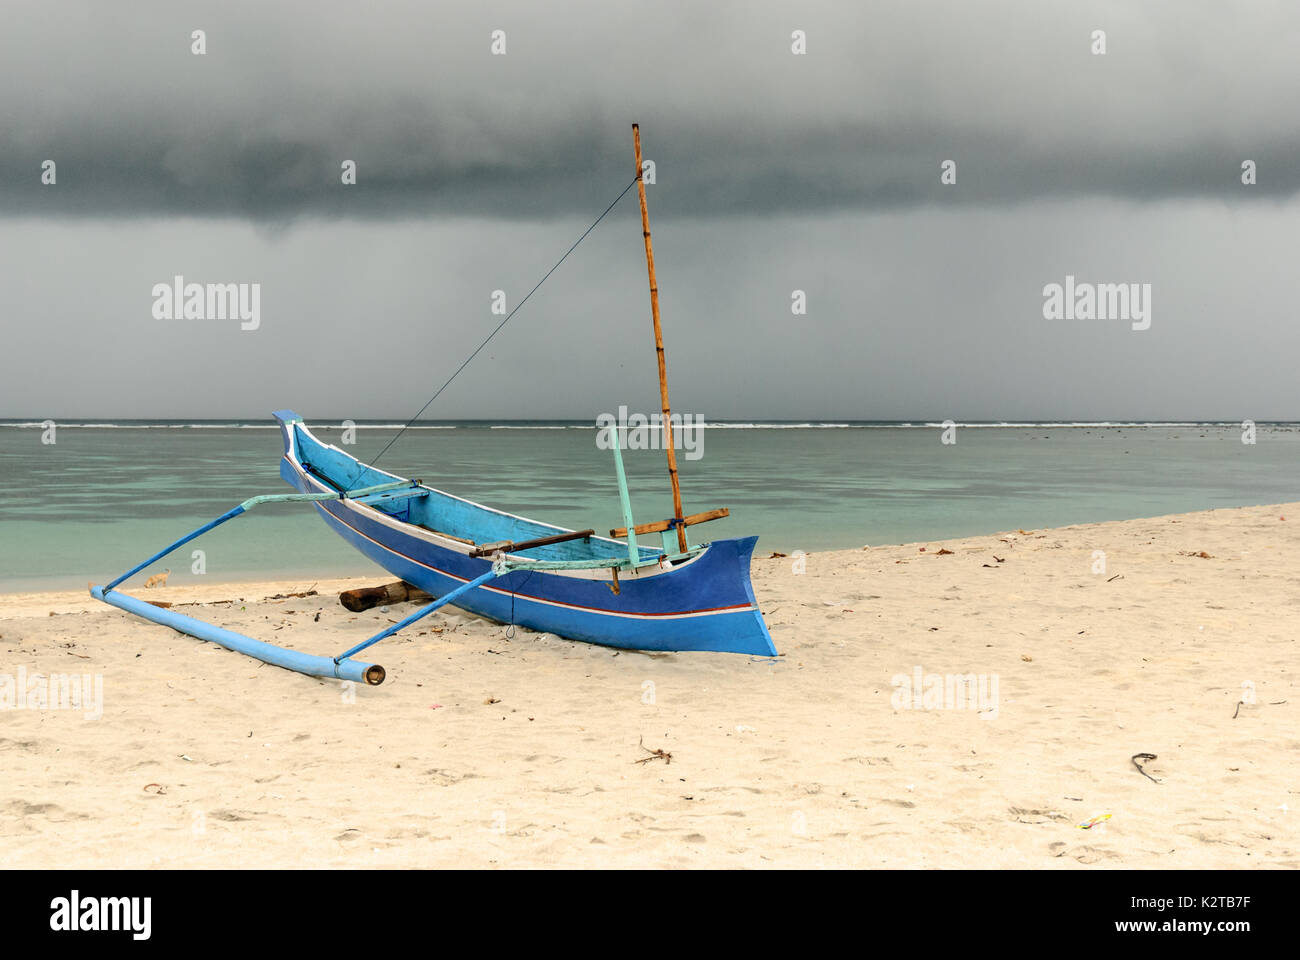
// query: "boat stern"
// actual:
[[743, 631]]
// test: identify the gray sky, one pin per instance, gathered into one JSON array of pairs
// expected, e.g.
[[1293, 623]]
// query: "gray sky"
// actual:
[[775, 172]]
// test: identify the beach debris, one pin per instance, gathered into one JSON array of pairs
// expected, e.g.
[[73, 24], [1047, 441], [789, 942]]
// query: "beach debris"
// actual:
[[922, 550], [309, 592], [363, 598], [659, 754], [491, 700], [775, 555], [1192, 553], [159, 579], [159, 603], [1144, 757], [943, 552], [1118, 576], [1089, 824], [1027, 658], [999, 559], [1049, 815], [159, 788]]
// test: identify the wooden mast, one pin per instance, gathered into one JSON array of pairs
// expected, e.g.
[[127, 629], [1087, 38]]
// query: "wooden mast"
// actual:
[[659, 347]]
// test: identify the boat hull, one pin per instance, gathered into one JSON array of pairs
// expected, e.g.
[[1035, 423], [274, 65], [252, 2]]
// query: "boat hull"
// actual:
[[704, 603]]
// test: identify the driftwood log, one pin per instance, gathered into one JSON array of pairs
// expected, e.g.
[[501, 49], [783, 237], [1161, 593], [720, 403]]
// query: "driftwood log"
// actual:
[[363, 598]]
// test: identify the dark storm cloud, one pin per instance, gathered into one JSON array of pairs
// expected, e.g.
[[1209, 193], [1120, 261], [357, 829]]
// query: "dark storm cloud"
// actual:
[[257, 128], [776, 174]]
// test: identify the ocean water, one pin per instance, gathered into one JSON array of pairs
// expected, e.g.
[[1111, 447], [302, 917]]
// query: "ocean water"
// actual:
[[105, 496]]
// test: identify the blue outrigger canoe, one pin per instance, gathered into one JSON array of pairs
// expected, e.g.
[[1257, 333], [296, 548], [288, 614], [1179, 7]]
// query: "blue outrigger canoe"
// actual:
[[586, 588], [574, 584], [497, 565]]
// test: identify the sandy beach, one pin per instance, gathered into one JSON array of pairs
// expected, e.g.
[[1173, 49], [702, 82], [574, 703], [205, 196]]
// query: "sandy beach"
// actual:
[[1071, 651]]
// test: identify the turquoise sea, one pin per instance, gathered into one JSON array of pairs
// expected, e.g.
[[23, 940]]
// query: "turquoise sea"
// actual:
[[106, 495]]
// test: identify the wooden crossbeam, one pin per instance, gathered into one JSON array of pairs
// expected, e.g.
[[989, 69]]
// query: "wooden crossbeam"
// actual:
[[659, 526], [509, 546]]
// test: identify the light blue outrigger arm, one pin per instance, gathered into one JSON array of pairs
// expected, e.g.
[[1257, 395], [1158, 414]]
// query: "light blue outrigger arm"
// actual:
[[503, 566], [500, 568], [249, 504], [625, 499], [423, 612], [315, 666]]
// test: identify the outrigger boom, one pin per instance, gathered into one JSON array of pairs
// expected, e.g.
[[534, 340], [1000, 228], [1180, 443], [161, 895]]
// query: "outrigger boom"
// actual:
[[342, 667], [269, 653]]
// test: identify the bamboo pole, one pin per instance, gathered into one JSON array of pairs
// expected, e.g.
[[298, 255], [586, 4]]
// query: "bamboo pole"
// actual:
[[659, 346]]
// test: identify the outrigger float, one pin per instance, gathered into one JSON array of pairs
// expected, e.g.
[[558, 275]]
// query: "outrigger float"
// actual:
[[606, 590]]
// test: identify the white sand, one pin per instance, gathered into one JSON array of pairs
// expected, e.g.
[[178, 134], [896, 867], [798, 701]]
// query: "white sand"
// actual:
[[203, 757]]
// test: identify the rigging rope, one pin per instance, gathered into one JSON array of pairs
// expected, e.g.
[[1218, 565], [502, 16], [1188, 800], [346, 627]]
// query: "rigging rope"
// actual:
[[502, 323]]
